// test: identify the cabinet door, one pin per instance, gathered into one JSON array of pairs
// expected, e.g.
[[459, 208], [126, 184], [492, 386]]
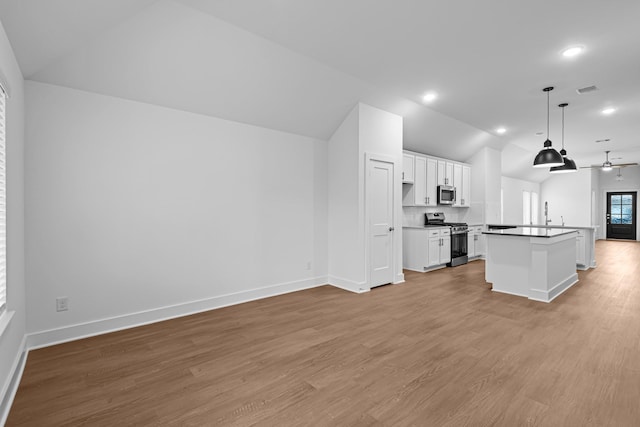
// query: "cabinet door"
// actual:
[[480, 241], [471, 244], [457, 182], [445, 249], [448, 175], [408, 168], [432, 182], [581, 258], [442, 172], [434, 251], [420, 181], [465, 193]]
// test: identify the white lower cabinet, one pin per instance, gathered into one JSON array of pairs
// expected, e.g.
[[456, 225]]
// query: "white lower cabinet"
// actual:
[[425, 248], [480, 241], [475, 242], [581, 258]]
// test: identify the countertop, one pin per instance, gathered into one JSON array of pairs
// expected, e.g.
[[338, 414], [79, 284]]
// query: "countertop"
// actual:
[[572, 227], [424, 227], [533, 231]]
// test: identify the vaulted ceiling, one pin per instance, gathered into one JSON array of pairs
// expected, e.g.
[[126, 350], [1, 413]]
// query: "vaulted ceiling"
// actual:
[[301, 65]]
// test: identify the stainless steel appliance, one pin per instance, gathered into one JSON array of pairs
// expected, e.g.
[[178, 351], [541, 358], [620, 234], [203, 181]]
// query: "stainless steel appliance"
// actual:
[[446, 194], [459, 234]]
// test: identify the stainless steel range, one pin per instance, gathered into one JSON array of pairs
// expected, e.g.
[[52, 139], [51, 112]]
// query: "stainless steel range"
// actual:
[[459, 234]]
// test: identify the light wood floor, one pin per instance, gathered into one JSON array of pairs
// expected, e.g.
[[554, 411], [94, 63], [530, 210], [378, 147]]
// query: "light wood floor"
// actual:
[[439, 350]]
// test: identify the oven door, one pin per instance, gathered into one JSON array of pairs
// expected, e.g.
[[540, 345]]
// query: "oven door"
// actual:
[[459, 249]]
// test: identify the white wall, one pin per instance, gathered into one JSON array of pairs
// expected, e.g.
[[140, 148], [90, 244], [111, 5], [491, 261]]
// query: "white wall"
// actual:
[[569, 196], [11, 339], [486, 167], [365, 130], [346, 237], [512, 192], [381, 134], [138, 212]]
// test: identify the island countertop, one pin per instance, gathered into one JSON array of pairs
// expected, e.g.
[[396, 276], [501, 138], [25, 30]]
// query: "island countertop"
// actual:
[[546, 232]]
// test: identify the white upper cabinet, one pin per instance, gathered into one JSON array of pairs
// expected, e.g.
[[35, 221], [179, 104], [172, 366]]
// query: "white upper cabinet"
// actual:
[[420, 182], [445, 172], [465, 193], [427, 173], [416, 194], [462, 182], [408, 168], [432, 182], [457, 181]]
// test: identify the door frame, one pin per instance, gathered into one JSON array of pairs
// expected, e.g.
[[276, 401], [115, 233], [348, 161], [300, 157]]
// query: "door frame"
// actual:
[[603, 209], [396, 237]]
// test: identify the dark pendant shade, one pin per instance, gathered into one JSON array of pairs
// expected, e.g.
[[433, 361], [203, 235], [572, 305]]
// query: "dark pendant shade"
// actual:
[[568, 166], [548, 157]]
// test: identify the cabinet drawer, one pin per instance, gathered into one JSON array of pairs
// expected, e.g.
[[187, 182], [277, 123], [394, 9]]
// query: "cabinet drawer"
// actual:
[[434, 233], [479, 230], [445, 232]]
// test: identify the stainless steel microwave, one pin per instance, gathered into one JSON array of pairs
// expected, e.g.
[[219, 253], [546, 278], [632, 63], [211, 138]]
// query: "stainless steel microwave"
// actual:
[[446, 194]]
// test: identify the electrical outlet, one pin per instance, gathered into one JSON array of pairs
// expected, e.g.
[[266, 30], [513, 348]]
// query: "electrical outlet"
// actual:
[[62, 304]]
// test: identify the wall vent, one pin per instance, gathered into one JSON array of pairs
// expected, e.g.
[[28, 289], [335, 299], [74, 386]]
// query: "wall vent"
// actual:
[[587, 89]]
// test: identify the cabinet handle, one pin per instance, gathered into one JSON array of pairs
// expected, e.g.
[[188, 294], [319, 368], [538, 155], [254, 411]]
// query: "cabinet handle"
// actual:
[[427, 200], [403, 176], [391, 228]]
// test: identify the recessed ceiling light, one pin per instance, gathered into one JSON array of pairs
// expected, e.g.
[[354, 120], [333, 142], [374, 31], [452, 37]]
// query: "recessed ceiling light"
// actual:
[[429, 97], [501, 130], [602, 140], [608, 111], [572, 51]]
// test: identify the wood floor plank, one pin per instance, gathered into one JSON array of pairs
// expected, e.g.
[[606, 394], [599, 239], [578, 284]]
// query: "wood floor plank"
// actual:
[[441, 349]]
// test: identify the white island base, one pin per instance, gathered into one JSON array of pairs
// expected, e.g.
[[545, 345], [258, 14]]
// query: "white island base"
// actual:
[[539, 265]]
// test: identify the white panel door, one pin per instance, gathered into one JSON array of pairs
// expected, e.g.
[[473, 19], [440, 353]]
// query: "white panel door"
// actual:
[[381, 228]]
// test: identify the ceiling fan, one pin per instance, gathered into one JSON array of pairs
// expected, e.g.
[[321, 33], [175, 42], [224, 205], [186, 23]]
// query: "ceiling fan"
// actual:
[[607, 165]]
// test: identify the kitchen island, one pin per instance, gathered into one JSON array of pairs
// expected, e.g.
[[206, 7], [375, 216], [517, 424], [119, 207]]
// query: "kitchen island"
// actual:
[[585, 241], [537, 263]]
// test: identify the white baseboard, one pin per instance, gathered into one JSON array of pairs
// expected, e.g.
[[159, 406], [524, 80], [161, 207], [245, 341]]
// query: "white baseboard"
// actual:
[[349, 285], [399, 278], [97, 327], [10, 388], [553, 293]]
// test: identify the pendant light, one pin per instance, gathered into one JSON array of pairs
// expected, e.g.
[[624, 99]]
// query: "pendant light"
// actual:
[[569, 165], [548, 156]]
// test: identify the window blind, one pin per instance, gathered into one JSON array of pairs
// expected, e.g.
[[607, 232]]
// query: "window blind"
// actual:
[[3, 202]]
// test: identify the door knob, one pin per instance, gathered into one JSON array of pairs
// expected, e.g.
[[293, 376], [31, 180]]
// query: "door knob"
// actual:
[[391, 228]]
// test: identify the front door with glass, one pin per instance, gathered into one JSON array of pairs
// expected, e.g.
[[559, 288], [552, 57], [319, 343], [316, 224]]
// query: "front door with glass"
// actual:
[[621, 215]]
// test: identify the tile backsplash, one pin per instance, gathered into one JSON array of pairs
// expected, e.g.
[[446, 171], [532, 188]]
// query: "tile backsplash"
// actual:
[[414, 215]]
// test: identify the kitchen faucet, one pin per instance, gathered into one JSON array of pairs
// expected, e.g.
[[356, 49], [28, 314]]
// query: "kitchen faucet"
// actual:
[[547, 220]]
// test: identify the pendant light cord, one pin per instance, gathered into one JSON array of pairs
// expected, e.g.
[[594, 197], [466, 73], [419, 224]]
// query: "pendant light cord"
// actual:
[[563, 128], [547, 115]]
